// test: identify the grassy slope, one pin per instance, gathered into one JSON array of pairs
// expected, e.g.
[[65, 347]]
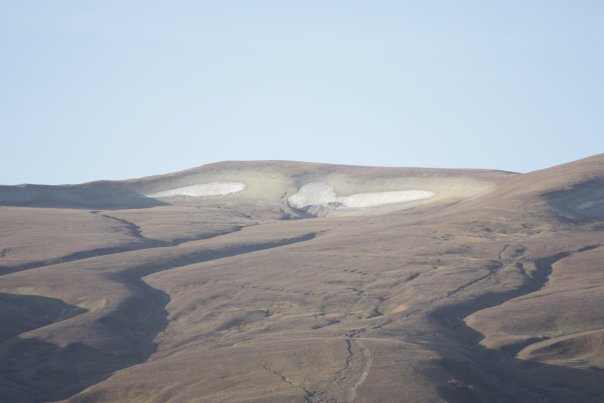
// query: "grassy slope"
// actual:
[[490, 296]]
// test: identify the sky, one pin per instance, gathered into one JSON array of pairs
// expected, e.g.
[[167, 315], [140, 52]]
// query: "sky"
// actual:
[[94, 90]]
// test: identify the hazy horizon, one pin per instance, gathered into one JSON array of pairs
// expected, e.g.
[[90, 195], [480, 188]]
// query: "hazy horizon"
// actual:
[[122, 90]]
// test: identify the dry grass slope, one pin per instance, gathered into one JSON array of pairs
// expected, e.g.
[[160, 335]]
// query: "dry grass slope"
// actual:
[[489, 290]]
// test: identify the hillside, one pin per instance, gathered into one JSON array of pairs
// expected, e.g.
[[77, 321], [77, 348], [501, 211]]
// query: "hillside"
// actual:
[[288, 281]]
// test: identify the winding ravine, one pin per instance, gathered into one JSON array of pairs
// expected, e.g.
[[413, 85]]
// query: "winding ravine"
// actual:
[[138, 318], [502, 374]]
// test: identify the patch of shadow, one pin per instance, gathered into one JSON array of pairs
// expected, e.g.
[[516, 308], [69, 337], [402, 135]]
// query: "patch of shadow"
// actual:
[[81, 255], [452, 315], [335, 282], [290, 213], [329, 322], [514, 348], [376, 309], [490, 377], [458, 250], [21, 313], [480, 374], [239, 322], [101, 195], [597, 369], [589, 247], [34, 370], [300, 213], [582, 203], [144, 243]]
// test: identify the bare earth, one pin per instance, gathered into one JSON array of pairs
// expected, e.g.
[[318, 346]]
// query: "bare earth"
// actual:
[[491, 289]]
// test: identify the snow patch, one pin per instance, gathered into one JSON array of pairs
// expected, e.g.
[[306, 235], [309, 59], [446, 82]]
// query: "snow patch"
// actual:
[[204, 189], [360, 200], [589, 204], [322, 194], [313, 194]]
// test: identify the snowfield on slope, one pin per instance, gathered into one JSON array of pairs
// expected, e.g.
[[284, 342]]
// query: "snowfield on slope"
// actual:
[[590, 204], [204, 189], [323, 194]]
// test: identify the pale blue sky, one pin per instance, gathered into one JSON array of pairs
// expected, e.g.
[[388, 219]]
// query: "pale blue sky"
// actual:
[[121, 89]]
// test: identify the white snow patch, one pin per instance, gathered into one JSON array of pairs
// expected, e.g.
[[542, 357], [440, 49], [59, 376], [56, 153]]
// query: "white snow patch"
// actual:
[[204, 189], [311, 194], [322, 194], [589, 204], [380, 198]]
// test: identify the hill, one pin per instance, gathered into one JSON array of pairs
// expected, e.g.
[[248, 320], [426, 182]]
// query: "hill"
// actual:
[[289, 281]]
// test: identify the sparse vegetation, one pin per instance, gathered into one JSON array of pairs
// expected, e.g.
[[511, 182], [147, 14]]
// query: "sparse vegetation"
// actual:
[[484, 293]]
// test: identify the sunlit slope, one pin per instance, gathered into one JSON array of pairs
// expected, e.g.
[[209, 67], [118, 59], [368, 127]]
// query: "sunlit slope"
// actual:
[[271, 185], [285, 281]]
